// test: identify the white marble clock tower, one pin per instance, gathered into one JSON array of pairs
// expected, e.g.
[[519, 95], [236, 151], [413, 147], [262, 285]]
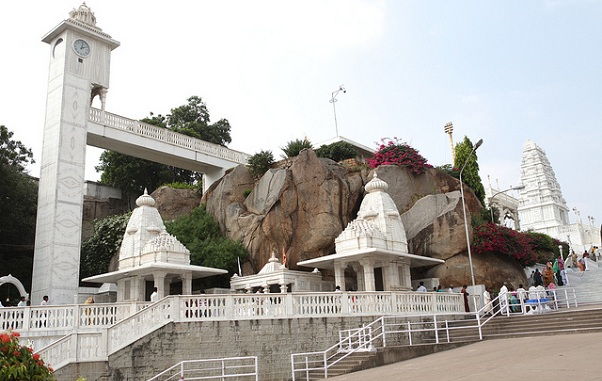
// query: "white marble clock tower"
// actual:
[[80, 56]]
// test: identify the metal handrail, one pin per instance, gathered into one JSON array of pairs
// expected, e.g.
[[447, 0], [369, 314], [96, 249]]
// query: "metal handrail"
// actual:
[[223, 368]]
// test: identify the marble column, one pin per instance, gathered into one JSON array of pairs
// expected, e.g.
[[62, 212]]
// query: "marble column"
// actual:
[[406, 279], [368, 265], [359, 274], [186, 284], [283, 288], [391, 277], [339, 274], [138, 289], [121, 290], [159, 282]]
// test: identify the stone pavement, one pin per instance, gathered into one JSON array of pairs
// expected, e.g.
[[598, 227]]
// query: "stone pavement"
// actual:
[[557, 357]]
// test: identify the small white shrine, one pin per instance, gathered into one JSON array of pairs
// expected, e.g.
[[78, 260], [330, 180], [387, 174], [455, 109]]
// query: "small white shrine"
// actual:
[[149, 253], [276, 277], [374, 246]]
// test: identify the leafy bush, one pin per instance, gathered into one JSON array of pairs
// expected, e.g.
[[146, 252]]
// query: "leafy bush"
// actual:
[[18, 363], [450, 170], [200, 233], [337, 151], [395, 152], [260, 163], [492, 238], [181, 185], [546, 247], [98, 250], [293, 147]]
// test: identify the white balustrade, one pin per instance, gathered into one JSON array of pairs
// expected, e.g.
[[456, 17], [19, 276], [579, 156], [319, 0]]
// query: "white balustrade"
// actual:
[[162, 134], [75, 347], [103, 329], [142, 323], [65, 317]]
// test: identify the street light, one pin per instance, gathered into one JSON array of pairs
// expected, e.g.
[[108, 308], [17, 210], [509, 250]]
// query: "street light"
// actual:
[[464, 209], [333, 100], [520, 187]]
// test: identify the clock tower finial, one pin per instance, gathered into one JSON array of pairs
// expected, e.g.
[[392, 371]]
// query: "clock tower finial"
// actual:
[[83, 14]]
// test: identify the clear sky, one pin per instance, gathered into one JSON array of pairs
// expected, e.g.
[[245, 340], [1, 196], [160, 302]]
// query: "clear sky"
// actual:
[[504, 71]]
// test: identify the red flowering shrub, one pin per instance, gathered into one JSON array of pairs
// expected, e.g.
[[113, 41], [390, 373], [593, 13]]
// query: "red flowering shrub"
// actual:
[[394, 152], [17, 363], [492, 238]]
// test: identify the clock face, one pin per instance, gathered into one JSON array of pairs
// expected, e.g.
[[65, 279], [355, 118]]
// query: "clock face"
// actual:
[[81, 47]]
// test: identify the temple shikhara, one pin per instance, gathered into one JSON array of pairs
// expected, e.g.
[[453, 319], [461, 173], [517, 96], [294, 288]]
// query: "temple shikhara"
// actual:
[[542, 207]]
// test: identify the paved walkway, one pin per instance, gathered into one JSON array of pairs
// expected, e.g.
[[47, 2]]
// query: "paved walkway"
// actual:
[[558, 357]]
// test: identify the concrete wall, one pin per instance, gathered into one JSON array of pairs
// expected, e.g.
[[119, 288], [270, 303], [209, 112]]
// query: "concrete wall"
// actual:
[[272, 341]]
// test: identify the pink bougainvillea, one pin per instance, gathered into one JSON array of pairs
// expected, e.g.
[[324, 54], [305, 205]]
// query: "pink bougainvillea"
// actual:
[[394, 152], [492, 238]]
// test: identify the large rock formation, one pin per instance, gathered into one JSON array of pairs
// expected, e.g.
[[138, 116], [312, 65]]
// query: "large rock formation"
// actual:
[[303, 207], [173, 203]]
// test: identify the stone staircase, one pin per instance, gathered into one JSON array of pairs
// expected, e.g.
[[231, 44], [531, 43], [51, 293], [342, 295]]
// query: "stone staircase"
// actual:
[[584, 319], [587, 284], [575, 320]]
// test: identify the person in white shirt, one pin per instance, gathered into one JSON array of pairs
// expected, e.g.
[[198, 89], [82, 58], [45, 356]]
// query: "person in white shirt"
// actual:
[[504, 299], [22, 302], [421, 288], [154, 296], [44, 300]]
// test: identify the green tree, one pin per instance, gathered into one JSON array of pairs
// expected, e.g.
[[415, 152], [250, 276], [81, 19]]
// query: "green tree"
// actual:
[[132, 175], [260, 163], [470, 176], [337, 151], [193, 119], [294, 147], [13, 153], [18, 208], [102, 245], [201, 234]]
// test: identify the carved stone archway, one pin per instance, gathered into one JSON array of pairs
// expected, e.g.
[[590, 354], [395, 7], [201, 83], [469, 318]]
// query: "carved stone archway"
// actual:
[[15, 282]]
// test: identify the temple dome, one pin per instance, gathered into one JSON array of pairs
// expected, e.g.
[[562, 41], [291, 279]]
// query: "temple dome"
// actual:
[[165, 242], [273, 265], [376, 185], [145, 200], [84, 14], [360, 228]]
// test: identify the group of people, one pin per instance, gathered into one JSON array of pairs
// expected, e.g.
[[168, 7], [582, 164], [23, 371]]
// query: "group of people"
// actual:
[[593, 254], [553, 275], [24, 302], [422, 288]]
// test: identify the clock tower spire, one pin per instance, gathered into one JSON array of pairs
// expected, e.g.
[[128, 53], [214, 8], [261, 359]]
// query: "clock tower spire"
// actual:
[[80, 56]]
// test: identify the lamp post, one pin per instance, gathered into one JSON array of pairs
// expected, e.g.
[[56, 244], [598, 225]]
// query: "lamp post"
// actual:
[[520, 187], [449, 129], [464, 210], [333, 100]]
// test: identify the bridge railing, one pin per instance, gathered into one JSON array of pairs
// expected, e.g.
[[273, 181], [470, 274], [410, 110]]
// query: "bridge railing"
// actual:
[[165, 135]]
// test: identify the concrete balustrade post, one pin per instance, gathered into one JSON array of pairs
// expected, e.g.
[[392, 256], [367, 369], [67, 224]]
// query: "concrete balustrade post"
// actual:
[[288, 305], [26, 320], [345, 307]]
